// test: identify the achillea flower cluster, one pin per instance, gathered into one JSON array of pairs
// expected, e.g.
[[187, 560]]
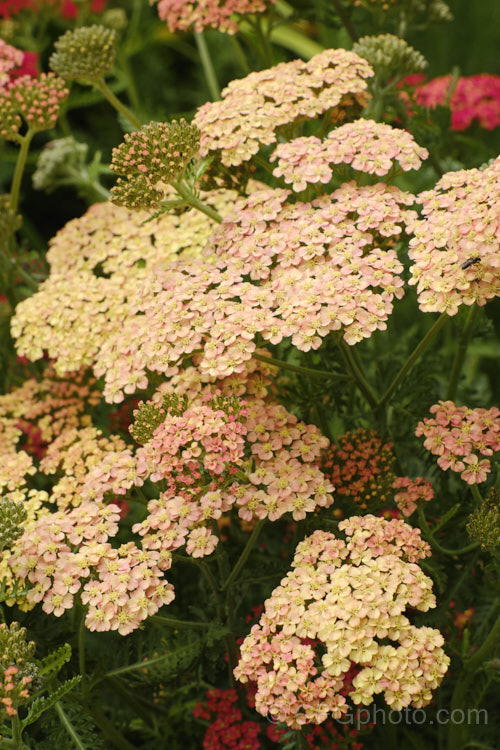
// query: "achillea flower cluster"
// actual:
[[36, 100], [474, 97], [460, 436], [158, 153], [310, 268], [51, 405], [64, 8], [255, 108], [17, 669], [98, 263], [227, 728], [75, 452], [65, 553], [326, 617], [86, 53], [33, 507], [455, 250], [365, 145], [202, 14], [411, 493], [361, 467], [10, 58], [213, 455]]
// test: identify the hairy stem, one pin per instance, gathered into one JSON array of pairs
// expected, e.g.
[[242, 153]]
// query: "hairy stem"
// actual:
[[187, 196], [103, 87], [298, 368], [346, 20], [460, 353], [18, 172], [208, 68], [244, 555], [357, 375], [416, 353], [69, 726]]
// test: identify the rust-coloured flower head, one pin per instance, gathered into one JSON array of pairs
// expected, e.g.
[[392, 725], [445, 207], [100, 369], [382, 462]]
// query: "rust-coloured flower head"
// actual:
[[86, 53]]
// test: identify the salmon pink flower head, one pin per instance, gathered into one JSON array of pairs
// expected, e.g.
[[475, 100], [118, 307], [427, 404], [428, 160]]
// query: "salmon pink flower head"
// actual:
[[202, 14], [460, 436], [254, 108], [411, 493], [98, 264], [339, 608], [456, 247], [365, 145]]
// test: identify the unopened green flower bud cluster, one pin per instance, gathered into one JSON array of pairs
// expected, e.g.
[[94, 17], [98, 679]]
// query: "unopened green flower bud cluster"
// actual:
[[17, 668], [14, 648], [12, 516], [157, 154], [87, 53], [484, 523], [148, 416], [390, 56], [56, 160]]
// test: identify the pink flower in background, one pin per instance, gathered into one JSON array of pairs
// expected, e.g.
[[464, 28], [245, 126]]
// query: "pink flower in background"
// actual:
[[474, 97], [198, 15]]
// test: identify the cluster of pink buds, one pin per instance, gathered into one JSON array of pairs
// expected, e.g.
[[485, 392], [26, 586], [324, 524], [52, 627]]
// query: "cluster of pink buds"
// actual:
[[36, 100], [460, 436]]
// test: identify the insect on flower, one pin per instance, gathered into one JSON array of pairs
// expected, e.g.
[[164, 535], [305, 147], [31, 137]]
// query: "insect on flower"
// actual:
[[470, 262]]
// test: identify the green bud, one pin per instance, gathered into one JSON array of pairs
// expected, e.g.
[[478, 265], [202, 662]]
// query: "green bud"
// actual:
[[390, 56], [57, 161], [87, 53], [484, 523], [12, 516]]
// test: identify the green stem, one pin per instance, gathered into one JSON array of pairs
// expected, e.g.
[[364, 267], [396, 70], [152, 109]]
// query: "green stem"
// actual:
[[298, 368], [428, 534], [244, 555], [476, 494], [16, 733], [357, 375], [109, 730], [238, 51], [460, 353], [81, 651], [193, 201], [103, 87], [346, 20], [424, 343], [18, 172], [69, 726], [456, 737], [171, 622], [208, 68]]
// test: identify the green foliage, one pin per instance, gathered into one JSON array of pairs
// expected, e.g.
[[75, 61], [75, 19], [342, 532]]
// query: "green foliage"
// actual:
[[42, 704]]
